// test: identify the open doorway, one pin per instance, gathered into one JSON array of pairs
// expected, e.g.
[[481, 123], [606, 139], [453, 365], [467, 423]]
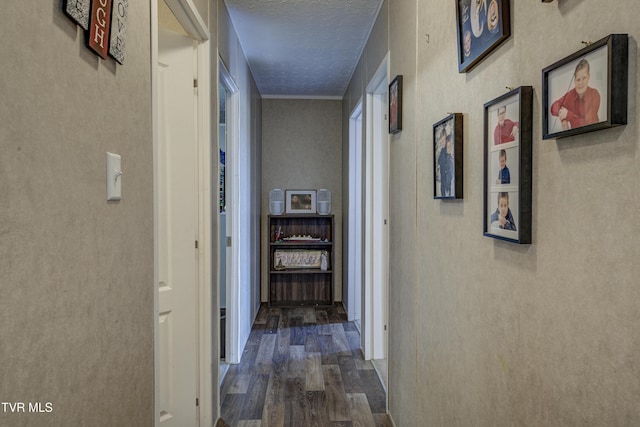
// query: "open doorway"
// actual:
[[376, 221], [226, 197], [355, 248], [222, 223], [179, 59]]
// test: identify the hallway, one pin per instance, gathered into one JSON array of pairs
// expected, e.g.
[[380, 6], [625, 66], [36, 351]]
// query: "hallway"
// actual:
[[303, 367]]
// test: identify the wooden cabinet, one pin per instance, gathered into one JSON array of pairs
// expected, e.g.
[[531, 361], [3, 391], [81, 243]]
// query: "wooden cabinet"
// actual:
[[301, 260]]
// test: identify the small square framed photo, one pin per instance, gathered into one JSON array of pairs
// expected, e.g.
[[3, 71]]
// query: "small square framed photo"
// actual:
[[507, 166], [447, 157], [395, 105], [300, 201], [586, 91]]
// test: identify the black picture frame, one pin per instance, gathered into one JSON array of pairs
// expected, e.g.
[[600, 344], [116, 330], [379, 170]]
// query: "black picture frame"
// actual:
[[603, 101], [447, 157], [508, 123], [395, 105], [482, 25]]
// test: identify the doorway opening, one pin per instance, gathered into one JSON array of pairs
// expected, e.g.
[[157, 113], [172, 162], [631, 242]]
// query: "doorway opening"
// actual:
[[182, 362], [226, 195], [356, 220], [376, 221], [222, 223]]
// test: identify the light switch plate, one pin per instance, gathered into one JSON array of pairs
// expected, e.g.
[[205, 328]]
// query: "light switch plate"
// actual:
[[114, 177]]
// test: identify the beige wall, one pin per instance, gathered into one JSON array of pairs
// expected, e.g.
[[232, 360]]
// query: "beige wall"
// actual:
[[76, 271], [302, 149], [489, 333]]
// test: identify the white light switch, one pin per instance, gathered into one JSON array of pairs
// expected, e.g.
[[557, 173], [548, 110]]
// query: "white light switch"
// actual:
[[114, 177]]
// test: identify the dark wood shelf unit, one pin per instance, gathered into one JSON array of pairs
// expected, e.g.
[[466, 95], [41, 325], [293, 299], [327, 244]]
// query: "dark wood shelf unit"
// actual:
[[301, 286]]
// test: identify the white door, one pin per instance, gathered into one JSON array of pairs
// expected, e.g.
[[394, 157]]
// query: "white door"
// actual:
[[177, 231]]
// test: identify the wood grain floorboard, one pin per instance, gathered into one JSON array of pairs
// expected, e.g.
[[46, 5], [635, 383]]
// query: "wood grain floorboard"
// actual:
[[232, 408], [360, 412], [350, 375], [273, 415], [256, 395], [373, 389], [337, 405], [303, 367], [266, 349], [314, 380]]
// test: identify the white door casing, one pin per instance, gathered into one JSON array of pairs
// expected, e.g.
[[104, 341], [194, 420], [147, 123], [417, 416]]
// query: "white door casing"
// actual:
[[233, 352], [356, 220], [376, 215], [177, 232]]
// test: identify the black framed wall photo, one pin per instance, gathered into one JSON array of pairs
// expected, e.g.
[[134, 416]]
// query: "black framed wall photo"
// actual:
[[482, 25], [447, 157], [507, 166], [395, 105], [586, 91]]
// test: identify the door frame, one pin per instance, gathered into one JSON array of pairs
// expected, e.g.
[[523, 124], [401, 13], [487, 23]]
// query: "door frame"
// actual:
[[356, 218], [195, 26], [376, 256], [231, 171]]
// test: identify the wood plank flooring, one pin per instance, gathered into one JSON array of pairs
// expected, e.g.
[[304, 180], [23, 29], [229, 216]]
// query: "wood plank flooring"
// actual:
[[303, 367]]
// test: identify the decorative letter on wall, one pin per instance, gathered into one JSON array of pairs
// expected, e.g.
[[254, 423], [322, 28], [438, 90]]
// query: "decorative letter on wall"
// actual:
[[78, 11], [119, 29], [96, 18], [100, 25]]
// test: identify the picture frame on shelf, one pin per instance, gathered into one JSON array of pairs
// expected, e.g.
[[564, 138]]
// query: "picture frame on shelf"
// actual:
[[482, 26], [395, 105], [300, 201], [447, 157], [507, 185], [587, 90]]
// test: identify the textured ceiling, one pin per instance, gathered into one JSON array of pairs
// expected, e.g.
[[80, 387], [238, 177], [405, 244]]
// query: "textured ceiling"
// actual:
[[303, 48]]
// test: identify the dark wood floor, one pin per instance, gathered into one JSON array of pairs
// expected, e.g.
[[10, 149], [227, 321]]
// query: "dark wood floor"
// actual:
[[303, 367]]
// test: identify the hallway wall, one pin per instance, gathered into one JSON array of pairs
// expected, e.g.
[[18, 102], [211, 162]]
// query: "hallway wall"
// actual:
[[249, 160], [76, 271], [542, 334]]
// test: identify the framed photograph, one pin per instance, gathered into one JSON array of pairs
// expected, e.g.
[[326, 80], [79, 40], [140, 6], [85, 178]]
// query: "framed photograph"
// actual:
[[507, 166], [447, 157], [482, 26], [395, 105], [300, 201], [587, 90]]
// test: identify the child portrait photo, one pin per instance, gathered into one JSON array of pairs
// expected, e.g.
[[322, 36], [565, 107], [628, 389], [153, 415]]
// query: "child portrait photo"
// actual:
[[504, 123], [578, 92], [504, 167], [447, 157], [508, 166], [503, 218]]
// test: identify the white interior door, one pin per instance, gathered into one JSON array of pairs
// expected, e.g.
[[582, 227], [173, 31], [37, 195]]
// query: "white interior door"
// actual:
[[177, 217]]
